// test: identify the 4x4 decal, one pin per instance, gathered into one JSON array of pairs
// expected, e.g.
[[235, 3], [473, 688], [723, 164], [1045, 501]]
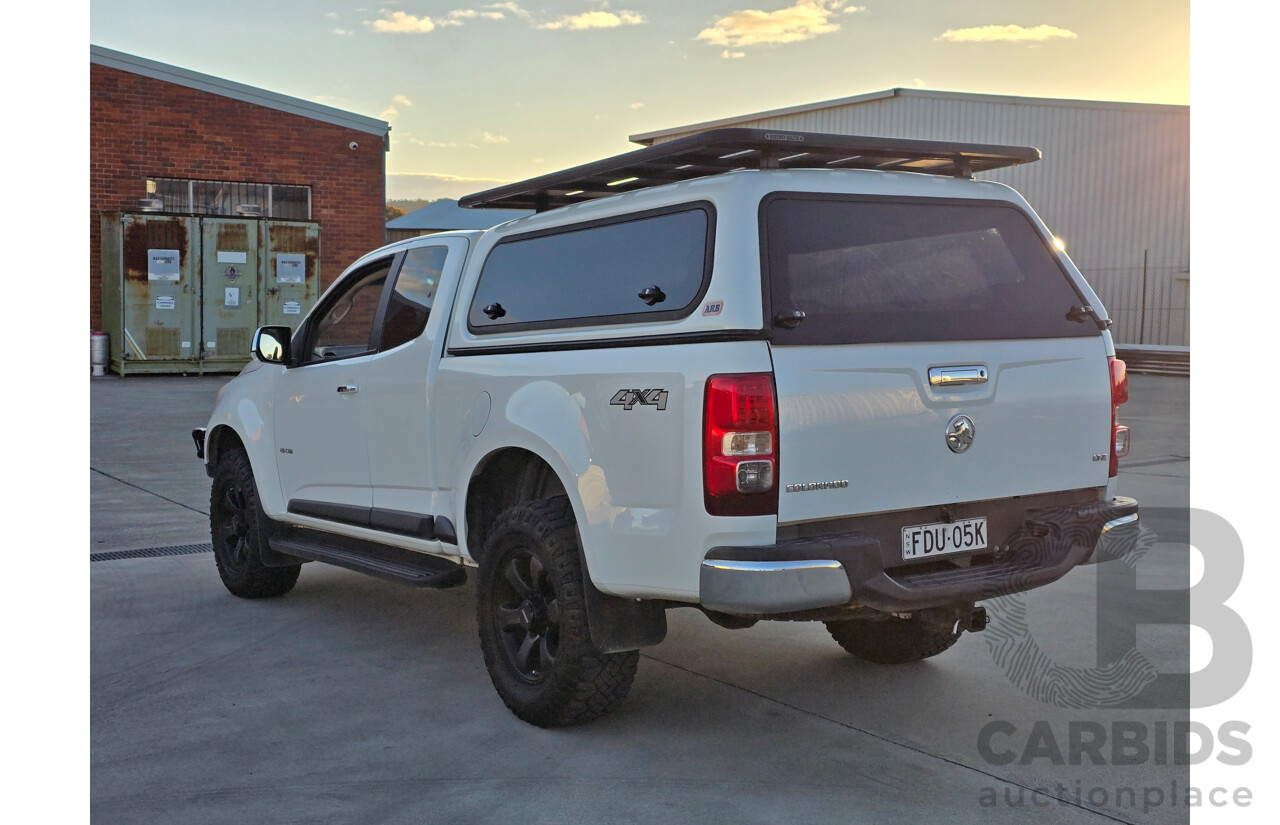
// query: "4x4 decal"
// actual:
[[649, 398]]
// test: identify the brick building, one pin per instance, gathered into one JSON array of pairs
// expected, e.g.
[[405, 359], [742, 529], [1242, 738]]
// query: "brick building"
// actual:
[[199, 144]]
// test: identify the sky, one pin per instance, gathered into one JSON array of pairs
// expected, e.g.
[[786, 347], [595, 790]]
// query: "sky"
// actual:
[[478, 93]]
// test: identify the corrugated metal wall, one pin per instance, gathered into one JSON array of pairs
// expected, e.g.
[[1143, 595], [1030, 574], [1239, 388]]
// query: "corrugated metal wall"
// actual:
[[1114, 184]]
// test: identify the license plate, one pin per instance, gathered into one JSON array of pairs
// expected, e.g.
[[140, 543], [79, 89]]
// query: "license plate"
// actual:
[[939, 539]]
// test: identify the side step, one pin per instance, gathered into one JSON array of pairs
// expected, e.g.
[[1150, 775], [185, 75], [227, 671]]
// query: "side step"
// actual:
[[381, 560]]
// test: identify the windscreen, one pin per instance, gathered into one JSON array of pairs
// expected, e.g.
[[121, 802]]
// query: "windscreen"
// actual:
[[881, 271]]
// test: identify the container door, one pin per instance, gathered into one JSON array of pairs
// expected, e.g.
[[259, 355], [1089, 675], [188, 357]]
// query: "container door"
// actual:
[[230, 312], [161, 293], [289, 276]]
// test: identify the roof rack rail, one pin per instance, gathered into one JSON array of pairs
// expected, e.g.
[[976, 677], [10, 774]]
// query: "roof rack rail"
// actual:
[[729, 150]]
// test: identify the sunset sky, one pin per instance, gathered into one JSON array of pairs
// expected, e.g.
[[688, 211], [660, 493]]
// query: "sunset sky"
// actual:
[[482, 92]]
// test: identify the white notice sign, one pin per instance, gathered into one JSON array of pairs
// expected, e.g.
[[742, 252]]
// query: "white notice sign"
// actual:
[[165, 302], [292, 307], [225, 257], [291, 268], [163, 265]]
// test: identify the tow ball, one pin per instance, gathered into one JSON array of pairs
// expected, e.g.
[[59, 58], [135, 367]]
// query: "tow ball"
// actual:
[[975, 622]]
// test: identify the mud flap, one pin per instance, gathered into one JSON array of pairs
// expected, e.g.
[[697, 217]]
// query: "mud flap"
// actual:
[[619, 624]]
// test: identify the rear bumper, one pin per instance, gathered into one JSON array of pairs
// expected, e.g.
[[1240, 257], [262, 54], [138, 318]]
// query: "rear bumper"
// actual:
[[848, 568]]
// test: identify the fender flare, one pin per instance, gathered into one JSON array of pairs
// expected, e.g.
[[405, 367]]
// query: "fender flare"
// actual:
[[542, 419]]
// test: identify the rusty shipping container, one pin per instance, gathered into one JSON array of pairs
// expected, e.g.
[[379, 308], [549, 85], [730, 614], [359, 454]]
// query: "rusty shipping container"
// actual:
[[184, 294]]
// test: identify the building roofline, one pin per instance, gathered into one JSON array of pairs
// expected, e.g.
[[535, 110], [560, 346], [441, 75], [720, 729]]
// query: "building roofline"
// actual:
[[236, 91], [647, 138]]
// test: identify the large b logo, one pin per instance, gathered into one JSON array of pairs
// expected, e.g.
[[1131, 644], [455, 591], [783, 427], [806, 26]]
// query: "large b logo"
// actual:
[[1123, 676]]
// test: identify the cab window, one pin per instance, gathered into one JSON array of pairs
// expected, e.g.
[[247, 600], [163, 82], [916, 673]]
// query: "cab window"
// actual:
[[344, 326], [415, 289]]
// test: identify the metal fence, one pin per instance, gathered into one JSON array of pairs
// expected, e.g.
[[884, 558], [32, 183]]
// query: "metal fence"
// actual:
[[1150, 305]]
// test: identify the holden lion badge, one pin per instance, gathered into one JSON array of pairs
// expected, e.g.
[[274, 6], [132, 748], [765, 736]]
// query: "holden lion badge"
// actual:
[[960, 432]]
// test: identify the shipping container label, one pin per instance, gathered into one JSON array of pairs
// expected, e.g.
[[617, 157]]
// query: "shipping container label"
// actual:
[[225, 257], [292, 307], [165, 302], [291, 268], [163, 265], [231, 296]]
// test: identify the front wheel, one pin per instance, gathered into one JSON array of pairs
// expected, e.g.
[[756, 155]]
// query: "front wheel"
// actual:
[[532, 616], [238, 528]]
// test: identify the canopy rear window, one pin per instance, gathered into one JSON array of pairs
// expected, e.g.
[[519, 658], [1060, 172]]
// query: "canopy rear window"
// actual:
[[875, 270]]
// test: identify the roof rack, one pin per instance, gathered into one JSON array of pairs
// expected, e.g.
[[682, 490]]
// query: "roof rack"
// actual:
[[729, 150]]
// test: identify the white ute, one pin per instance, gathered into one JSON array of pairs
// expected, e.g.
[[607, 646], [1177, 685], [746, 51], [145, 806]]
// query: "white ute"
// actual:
[[767, 375]]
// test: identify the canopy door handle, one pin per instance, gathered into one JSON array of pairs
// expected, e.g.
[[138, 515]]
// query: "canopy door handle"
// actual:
[[957, 376]]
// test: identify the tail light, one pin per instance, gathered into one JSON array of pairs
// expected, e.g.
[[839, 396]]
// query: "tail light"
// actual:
[[1119, 432], [740, 445]]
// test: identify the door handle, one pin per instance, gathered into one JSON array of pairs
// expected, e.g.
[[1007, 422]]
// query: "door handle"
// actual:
[[349, 389], [955, 376]]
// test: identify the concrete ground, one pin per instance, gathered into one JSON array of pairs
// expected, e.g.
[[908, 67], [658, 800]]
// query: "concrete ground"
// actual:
[[355, 700]]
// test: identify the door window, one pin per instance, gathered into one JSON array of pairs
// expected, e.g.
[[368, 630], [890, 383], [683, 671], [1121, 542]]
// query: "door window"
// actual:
[[344, 326], [415, 288]]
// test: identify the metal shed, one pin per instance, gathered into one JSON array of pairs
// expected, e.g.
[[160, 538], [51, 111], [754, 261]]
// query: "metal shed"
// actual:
[[1114, 184], [445, 214]]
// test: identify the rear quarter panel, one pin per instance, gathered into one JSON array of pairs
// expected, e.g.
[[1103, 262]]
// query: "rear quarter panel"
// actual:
[[634, 475]]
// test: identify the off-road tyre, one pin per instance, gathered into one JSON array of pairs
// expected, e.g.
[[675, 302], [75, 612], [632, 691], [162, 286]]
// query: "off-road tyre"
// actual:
[[891, 641], [532, 616], [238, 527]]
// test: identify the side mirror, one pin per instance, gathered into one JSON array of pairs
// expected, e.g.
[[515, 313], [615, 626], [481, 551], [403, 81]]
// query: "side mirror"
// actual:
[[271, 344]]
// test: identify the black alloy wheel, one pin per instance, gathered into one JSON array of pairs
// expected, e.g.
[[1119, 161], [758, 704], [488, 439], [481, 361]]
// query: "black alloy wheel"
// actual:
[[528, 616]]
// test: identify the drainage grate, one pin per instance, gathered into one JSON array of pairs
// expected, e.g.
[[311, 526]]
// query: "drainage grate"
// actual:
[[152, 552]]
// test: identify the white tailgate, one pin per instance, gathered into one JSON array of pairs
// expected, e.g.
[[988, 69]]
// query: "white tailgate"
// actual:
[[867, 414]]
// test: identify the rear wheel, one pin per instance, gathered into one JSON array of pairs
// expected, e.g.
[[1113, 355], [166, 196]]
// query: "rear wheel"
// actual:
[[532, 617], [891, 640], [238, 528]]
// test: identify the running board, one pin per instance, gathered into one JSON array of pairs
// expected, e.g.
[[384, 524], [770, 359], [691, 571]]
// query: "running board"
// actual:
[[381, 560]]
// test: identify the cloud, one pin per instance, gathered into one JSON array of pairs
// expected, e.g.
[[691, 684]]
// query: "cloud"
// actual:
[[732, 55], [636, 106], [919, 82], [389, 113], [433, 185], [751, 27], [332, 15], [442, 176], [400, 23], [342, 32], [402, 100], [488, 138], [595, 20], [990, 34], [512, 8]]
